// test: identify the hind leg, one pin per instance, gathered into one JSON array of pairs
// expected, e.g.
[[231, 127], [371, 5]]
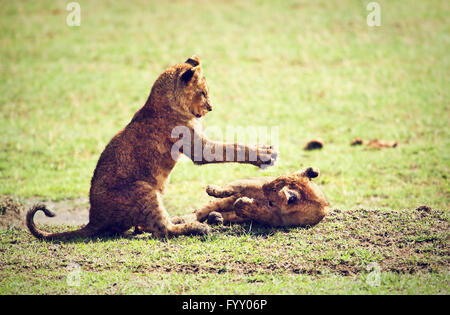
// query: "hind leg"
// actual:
[[232, 217], [175, 220], [184, 219], [215, 207], [215, 212], [153, 217], [218, 205], [216, 218], [228, 210]]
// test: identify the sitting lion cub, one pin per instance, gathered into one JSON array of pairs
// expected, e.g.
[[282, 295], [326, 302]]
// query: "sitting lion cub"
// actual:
[[288, 200]]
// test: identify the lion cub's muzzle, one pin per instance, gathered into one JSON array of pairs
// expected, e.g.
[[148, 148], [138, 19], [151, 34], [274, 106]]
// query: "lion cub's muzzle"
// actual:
[[206, 107]]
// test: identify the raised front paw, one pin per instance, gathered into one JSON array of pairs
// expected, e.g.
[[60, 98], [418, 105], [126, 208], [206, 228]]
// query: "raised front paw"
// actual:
[[267, 155], [218, 192]]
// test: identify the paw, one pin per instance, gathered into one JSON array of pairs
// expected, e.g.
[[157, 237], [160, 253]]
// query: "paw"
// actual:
[[218, 192], [138, 230], [215, 218], [198, 228], [184, 219], [178, 220], [267, 156], [211, 190]]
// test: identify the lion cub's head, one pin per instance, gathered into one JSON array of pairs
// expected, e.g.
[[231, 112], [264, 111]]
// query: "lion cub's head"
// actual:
[[295, 200], [183, 87]]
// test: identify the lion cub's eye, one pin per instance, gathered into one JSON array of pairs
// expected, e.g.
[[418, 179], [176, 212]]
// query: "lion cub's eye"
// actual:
[[270, 204], [292, 199], [204, 94]]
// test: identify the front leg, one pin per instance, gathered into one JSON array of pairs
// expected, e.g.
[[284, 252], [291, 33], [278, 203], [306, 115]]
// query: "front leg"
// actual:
[[218, 205], [152, 217], [216, 152], [203, 151], [220, 192]]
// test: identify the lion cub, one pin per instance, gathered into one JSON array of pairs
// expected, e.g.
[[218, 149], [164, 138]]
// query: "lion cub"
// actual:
[[129, 179], [288, 200]]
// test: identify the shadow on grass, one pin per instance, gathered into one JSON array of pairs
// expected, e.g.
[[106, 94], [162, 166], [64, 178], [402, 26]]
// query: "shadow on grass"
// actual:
[[253, 229], [250, 229]]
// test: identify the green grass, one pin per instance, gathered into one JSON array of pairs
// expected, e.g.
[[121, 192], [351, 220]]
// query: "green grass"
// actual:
[[312, 68], [112, 282], [408, 252]]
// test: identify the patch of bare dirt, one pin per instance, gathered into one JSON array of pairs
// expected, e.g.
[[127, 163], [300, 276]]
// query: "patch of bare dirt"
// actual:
[[68, 212], [11, 213]]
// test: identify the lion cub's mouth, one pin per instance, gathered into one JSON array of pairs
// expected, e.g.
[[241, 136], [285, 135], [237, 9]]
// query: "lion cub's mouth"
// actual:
[[202, 113]]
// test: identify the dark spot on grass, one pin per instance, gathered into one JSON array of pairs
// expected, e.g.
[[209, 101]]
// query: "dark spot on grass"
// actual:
[[424, 208]]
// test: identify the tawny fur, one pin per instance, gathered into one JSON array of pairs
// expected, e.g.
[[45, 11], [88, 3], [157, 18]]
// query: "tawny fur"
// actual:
[[288, 200], [129, 179]]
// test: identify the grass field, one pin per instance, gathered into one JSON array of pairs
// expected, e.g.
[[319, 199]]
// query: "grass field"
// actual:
[[310, 68]]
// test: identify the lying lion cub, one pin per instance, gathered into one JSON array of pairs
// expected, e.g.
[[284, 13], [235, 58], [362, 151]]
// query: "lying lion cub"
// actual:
[[288, 200]]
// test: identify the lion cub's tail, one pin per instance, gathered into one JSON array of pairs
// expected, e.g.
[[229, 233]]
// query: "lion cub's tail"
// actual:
[[86, 231]]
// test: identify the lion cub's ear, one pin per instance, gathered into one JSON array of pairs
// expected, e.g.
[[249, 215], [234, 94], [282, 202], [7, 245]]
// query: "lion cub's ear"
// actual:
[[289, 196], [194, 61], [189, 73], [310, 172]]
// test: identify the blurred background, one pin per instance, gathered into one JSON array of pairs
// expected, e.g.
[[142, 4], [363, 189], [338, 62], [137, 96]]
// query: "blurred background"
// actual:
[[310, 68]]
